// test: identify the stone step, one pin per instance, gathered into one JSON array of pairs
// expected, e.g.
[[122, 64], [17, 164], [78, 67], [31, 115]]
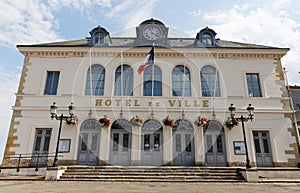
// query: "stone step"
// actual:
[[142, 171], [151, 170], [145, 177], [171, 168], [157, 180], [150, 174]]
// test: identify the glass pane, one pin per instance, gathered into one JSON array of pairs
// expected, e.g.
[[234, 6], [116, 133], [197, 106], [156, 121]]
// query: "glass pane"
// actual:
[[95, 80], [181, 81], [116, 141], [148, 81], [51, 83], [257, 145], [84, 140], [48, 132], [125, 141], [40, 132], [94, 141], [146, 142], [157, 142], [253, 85], [188, 143], [266, 146], [210, 82], [209, 143], [219, 144], [178, 142], [38, 143], [46, 144]]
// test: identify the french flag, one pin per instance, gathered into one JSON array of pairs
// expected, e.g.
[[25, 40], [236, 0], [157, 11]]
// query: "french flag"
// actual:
[[148, 60]]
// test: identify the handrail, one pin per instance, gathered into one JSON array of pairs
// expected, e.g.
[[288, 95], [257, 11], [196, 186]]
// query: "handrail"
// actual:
[[28, 160]]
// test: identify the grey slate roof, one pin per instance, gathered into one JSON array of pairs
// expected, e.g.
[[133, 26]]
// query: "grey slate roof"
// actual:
[[129, 42], [295, 94]]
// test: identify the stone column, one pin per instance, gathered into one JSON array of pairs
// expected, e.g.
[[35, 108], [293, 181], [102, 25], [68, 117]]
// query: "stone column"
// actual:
[[199, 147], [104, 146], [136, 145], [167, 146]]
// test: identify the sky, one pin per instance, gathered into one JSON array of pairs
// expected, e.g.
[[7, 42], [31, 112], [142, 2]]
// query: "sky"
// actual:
[[269, 22]]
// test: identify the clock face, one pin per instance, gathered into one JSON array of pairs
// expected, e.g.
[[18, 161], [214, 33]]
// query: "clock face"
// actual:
[[151, 33]]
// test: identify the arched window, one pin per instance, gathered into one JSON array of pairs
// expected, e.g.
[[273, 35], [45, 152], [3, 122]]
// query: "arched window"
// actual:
[[181, 81], [124, 81], [157, 90], [95, 80], [210, 85]]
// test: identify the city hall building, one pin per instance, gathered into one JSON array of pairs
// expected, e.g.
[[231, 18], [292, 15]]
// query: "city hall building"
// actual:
[[174, 111]]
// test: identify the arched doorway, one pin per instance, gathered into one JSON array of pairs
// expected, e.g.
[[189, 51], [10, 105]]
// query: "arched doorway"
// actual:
[[120, 143], [214, 140], [89, 140], [152, 149], [183, 143]]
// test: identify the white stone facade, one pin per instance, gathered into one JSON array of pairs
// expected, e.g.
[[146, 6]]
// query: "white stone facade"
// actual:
[[232, 61]]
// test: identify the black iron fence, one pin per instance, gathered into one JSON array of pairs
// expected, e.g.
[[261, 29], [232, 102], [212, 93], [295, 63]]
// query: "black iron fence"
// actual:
[[29, 160]]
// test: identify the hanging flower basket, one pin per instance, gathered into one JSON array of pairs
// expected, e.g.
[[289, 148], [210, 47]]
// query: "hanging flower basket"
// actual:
[[136, 121], [104, 121], [72, 120], [202, 122], [168, 121], [231, 122]]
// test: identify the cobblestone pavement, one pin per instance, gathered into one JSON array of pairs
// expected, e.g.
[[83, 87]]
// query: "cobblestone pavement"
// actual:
[[87, 187]]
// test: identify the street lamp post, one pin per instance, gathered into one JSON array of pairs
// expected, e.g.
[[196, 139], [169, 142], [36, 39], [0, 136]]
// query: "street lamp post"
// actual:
[[243, 119], [60, 118]]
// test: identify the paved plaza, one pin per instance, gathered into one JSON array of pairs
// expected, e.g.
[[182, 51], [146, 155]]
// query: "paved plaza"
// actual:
[[87, 187]]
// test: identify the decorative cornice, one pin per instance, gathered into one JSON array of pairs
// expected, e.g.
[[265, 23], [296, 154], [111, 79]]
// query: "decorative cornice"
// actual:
[[269, 55]]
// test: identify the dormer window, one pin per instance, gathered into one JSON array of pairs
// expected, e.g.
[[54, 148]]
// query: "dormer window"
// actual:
[[206, 38], [99, 37]]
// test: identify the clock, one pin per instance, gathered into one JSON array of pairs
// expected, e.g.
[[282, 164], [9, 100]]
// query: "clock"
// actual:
[[151, 33]]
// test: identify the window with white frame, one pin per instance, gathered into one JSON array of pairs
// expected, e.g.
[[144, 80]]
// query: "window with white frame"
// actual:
[[148, 80], [181, 81], [95, 80], [124, 81], [210, 86], [253, 84], [51, 83]]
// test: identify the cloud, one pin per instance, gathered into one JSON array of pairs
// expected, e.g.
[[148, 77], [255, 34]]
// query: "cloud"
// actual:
[[82, 5], [261, 24], [132, 12], [26, 22], [34, 21]]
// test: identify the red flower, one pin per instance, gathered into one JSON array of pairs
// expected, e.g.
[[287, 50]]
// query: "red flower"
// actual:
[[202, 121], [72, 120], [104, 121], [168, 121], [136, 121], [231, 122]]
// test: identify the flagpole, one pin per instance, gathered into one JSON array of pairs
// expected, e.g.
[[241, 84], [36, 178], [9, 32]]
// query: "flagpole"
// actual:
[[152, 91], [183, 93], [215, 87], [90, 74], [153, 77], [122, 81]]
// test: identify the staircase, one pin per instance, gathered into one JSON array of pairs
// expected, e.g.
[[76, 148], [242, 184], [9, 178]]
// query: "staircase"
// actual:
[[172, 174]]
